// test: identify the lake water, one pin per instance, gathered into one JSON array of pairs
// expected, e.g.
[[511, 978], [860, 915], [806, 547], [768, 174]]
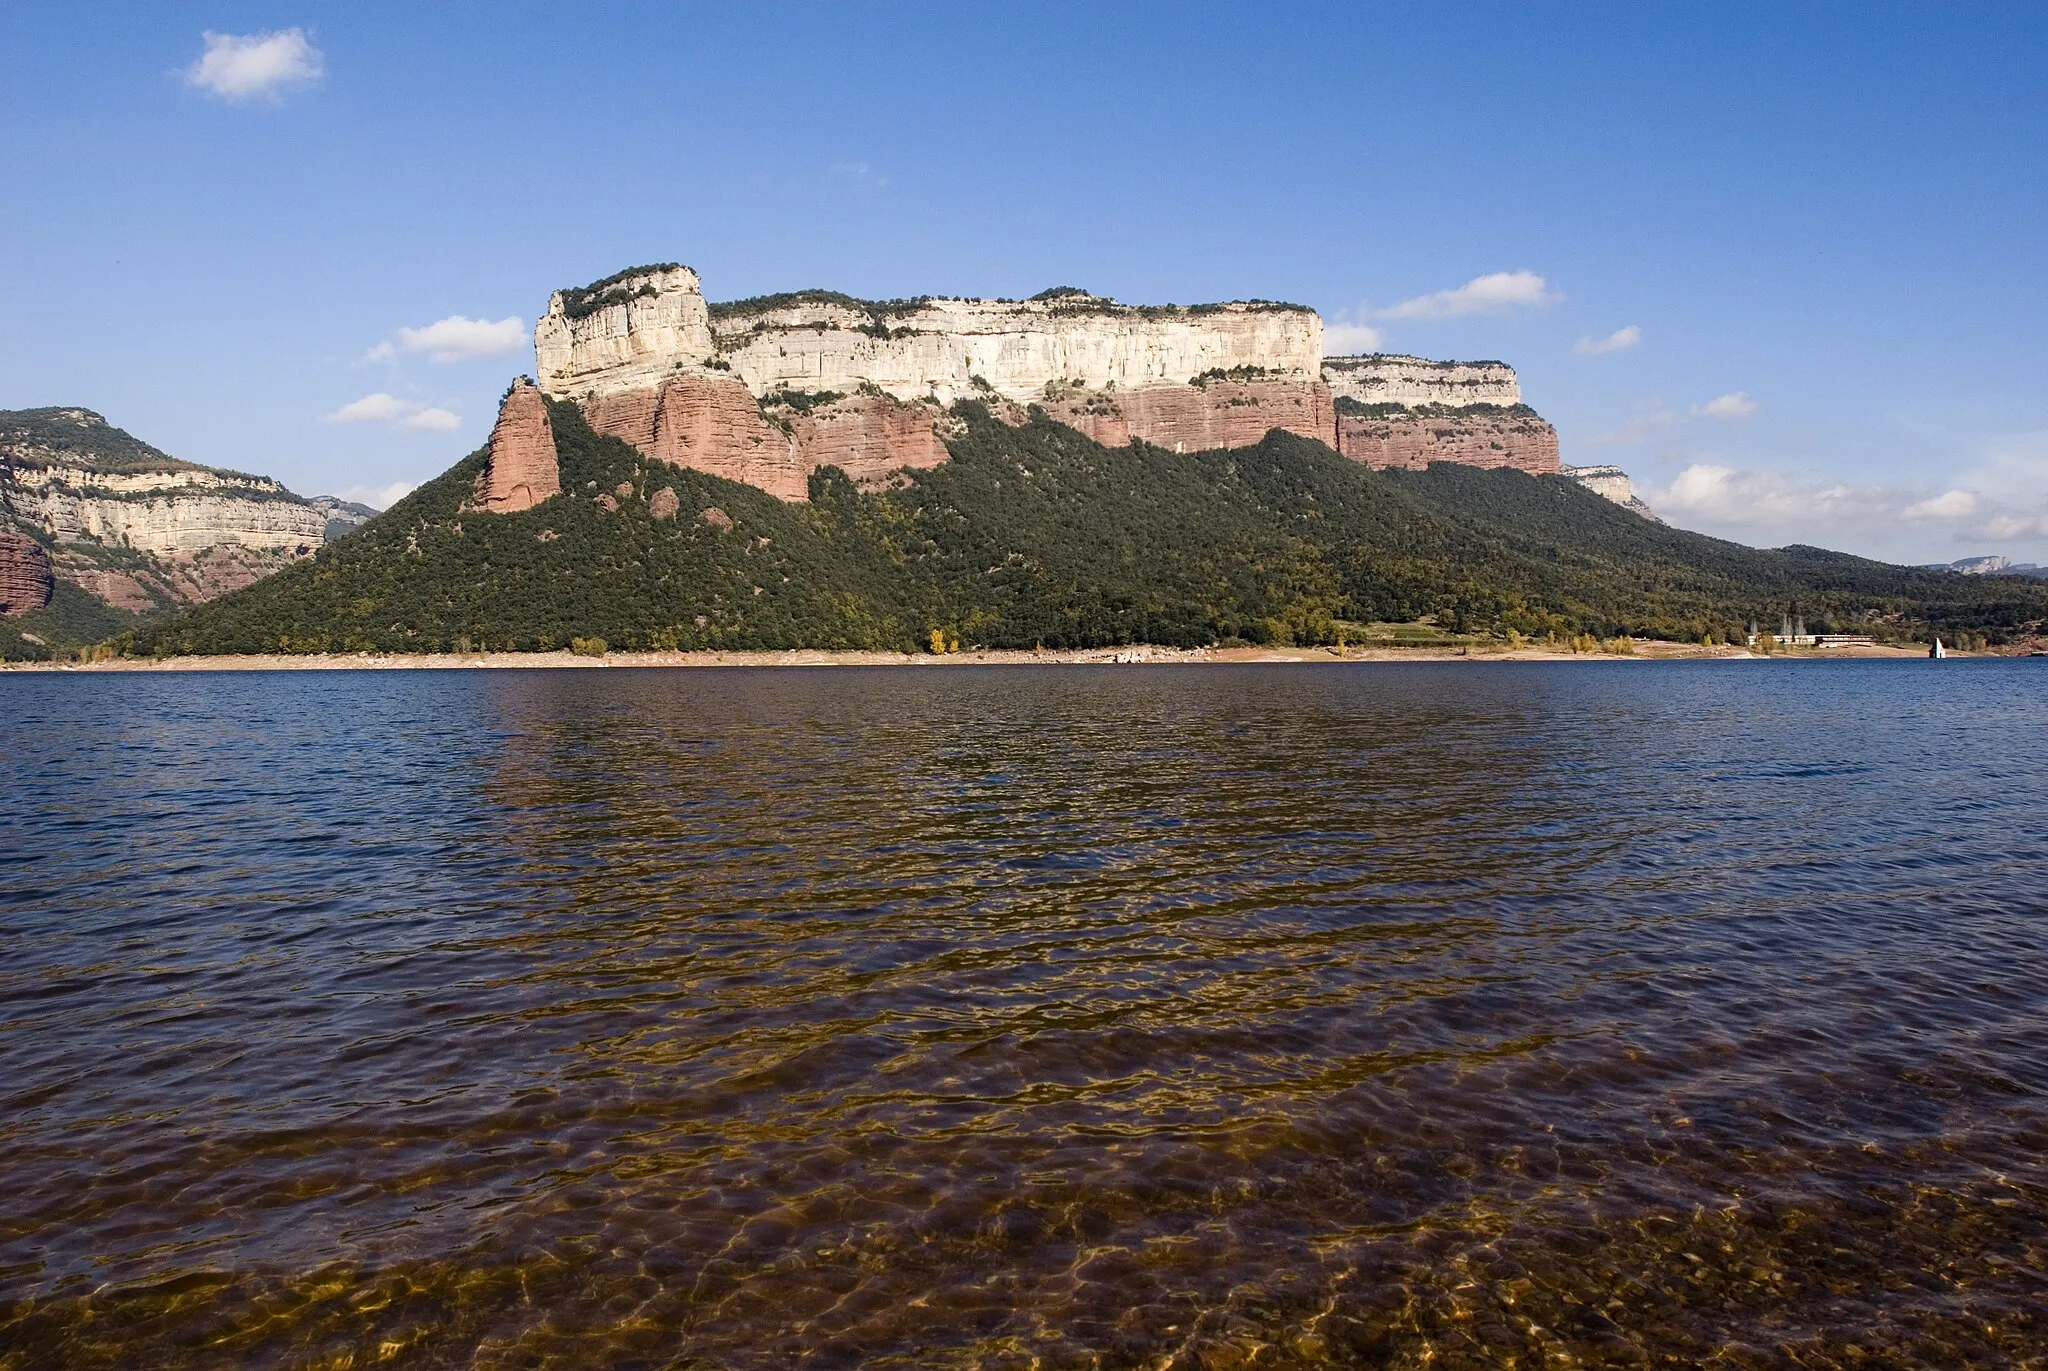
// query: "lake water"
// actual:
[[1446, 1015]]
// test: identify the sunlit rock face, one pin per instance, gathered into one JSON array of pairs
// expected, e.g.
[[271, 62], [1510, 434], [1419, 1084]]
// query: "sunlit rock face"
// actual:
[[520, 468], [1389, 378], [136, 527], [25, 579], [1612, 483], [771, 389], [1393, 435], [863, 385]]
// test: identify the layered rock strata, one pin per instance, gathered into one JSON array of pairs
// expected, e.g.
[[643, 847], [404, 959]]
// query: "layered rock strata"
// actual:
[[1390, 378], [1612, 483], [520, 469], [25, 579], [1394, 435], [767, 391], [136, 527]]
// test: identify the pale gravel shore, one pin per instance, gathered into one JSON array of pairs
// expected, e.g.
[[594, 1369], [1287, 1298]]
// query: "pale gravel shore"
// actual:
[[1120, 656]]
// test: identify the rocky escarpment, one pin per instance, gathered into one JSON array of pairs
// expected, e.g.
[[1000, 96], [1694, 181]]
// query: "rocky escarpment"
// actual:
[[1395, 435], [1384, 378], [520, 470], [770, 389], [1612, 483], [863, 385], [25, 579], [135, 527]]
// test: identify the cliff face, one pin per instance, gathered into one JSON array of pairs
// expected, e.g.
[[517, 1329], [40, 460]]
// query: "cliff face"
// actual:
[[1612, 483], [1476, 435], [520, 470], [25, 580], [137, 528], [1388, 378], [767, 391]]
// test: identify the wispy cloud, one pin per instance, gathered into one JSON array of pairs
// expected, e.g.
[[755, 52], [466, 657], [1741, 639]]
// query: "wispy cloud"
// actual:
[[1621, 340], [1657, 417], [1635, 430], [238, 67], [379, 407], [1491, 294], [1734, 405], [1344, 340], [459, 338]]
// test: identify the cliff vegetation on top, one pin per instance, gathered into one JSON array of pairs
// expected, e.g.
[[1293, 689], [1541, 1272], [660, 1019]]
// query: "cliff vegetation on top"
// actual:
[[581, 301], [1035, 534]]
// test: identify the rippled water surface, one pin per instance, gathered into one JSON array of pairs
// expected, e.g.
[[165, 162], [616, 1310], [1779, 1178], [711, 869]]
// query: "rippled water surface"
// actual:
[[1445, 1015]]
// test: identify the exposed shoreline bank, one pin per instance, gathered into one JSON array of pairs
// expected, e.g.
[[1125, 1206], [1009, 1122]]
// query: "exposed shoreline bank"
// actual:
[[1116, 656]]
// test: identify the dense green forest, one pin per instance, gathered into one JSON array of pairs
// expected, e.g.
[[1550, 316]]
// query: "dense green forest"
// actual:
[[1033, 535], [71, 618]]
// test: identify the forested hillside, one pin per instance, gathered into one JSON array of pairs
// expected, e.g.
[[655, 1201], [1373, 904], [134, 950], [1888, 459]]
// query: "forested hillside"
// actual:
[[1037, 535]]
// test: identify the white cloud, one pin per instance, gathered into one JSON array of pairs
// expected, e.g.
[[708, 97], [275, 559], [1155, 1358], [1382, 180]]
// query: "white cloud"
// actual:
[[1621, 340], [458, 338], [1344, 340], [374, 408], [378, 497], [379, 407], [433, 420], [239, 67], [2006, 527], [1953, 504], [383, 352], [1489, 294], [1734, 405]]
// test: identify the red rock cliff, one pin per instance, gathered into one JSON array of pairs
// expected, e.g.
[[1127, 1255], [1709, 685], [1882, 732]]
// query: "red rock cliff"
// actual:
[[1196, 418], [521, 469], [1484, 436], [25, 581]]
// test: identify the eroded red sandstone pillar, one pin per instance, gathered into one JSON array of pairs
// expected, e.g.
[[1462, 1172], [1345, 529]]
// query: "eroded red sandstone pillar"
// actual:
[[25, 579], [521, 470]]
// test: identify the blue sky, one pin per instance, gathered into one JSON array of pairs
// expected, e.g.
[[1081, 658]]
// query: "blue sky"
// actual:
[[1825, 225]]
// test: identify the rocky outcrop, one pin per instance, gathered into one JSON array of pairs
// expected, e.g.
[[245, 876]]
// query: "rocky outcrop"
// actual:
[[1195, 418], [631, 331], [1392, 379], [1394, 435], [868, 437], [166, 522], [520, 468], [136, 527], [769, 390], [25, 579], [1612, 483], [706, 422]]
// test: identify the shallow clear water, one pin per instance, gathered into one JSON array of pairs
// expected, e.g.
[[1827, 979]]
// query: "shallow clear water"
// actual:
[[1444, 1015]]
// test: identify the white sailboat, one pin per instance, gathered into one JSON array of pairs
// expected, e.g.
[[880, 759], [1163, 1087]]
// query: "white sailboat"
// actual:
[[1937, 652]]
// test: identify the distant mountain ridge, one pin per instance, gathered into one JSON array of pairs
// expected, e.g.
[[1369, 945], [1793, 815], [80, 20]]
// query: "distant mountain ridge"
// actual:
[[109, 527]]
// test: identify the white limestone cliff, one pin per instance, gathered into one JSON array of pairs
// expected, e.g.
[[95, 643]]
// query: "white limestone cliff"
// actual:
[[1612, 483], [1391, 379], [658, 325]]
